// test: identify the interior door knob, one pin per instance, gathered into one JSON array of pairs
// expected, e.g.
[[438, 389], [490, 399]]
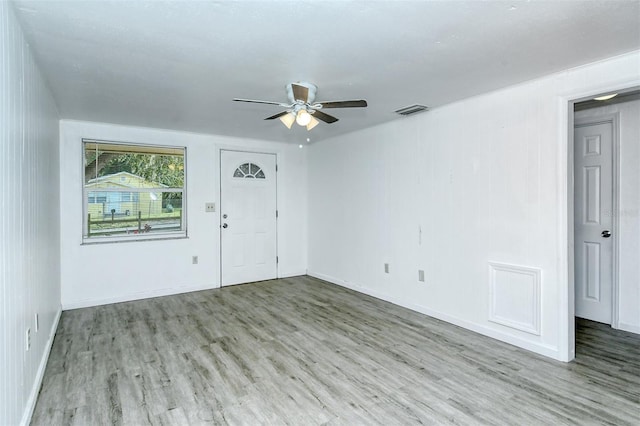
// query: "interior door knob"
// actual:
[[224, 225], [606, 234]]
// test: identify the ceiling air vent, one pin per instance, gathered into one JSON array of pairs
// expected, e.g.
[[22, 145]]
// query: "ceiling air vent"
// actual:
[[413, 109]]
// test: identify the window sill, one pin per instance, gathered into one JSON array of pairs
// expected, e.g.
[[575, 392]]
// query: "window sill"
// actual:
[[135, 238]]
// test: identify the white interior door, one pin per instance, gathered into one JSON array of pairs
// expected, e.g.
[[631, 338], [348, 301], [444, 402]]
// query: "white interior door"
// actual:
[[593, 219], [248, 216]]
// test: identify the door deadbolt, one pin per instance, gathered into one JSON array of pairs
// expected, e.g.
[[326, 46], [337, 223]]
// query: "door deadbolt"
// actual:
[[224, 216], [606, 234]]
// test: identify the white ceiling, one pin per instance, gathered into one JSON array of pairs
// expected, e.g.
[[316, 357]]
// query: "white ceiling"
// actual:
[[178, 64]]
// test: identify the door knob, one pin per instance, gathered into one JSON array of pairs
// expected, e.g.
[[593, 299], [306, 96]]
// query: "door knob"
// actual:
[[224, 225], [606, 234], [224, 216]]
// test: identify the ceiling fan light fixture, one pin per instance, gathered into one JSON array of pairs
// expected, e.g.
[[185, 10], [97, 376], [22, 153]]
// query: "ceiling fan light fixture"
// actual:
[[288, 119], [303, 118], [312, 123]]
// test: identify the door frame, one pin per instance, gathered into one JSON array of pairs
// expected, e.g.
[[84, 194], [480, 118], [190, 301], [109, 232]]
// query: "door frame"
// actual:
[[248, 151], [566, 264], [614, 120]]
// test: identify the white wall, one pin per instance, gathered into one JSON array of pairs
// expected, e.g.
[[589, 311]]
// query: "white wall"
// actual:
[[29, 234], [104, 273], [629, 211], [484, 180]]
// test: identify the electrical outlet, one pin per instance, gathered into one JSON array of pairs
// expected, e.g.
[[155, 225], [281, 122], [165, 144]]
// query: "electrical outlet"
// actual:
[[210, 207], [37, 323], [386, 268], [28, 340], [194, 260], [420, 275]]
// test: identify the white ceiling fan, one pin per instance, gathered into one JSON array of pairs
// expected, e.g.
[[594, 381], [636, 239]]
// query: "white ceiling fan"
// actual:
[[302, 107]]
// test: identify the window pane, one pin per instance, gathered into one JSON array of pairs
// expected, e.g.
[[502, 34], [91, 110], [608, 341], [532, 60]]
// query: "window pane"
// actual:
[[117, 166], [153, 212]]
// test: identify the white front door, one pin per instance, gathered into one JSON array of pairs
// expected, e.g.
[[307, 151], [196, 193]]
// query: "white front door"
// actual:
[[247, 216], [593, 220]]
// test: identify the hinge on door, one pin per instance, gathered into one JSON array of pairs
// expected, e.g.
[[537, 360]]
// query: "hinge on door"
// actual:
[[277, 259], [276, 167], [276, 213]]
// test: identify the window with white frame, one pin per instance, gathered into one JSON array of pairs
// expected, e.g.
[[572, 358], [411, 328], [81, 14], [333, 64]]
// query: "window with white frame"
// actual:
[[133, 192]]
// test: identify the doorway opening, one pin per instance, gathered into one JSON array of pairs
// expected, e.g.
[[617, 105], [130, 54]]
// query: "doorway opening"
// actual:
[[602, 206]]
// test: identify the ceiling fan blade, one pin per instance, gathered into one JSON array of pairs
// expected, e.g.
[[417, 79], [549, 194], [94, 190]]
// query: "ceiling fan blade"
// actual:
[[361, 103], [278, 115], [300, 93], [253, 101], [324, 117]]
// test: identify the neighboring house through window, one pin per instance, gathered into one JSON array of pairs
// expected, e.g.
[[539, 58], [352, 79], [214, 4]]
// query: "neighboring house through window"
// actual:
[[133, 191]]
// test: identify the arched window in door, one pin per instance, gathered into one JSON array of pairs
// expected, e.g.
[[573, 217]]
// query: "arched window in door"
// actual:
[[249, 171]]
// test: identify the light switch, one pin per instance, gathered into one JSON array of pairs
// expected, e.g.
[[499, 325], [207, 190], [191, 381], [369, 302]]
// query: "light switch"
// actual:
[[210, 207]]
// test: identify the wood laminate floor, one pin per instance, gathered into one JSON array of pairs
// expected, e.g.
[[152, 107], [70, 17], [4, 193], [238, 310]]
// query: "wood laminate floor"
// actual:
[[302, 351]]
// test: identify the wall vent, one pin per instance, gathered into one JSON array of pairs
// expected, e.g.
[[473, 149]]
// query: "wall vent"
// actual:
[[413, 109]]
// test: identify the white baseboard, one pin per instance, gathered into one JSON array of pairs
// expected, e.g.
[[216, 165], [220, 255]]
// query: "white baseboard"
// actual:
[[86, 303], [290, 274], [629, 327], [542, 349], [35, 389]]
